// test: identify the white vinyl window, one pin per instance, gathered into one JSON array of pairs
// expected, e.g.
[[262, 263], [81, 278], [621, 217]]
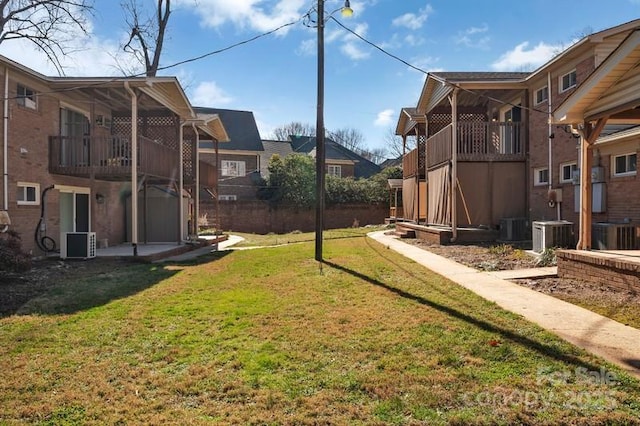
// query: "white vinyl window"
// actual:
[[568, 81], [541, 176], [542, 95], [567, 171], [26, 97], [28, 194], [333, 170], [624, 165], [228, 197], [233, 168]]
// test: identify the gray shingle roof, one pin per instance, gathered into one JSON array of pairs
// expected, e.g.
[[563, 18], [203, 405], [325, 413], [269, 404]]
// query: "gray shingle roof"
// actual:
[[241, 128]]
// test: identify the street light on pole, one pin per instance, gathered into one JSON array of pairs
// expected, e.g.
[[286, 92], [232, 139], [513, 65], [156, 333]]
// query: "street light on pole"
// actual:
[[320, 148]]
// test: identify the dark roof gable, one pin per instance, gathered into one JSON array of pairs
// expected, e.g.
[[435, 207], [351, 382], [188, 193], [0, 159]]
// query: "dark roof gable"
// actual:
[[241, 128]]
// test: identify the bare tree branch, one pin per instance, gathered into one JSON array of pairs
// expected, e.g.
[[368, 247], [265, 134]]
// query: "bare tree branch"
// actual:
[[147, 34], [49, 24]]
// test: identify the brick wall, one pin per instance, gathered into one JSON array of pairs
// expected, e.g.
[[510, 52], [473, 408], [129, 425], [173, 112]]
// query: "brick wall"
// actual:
[[564, 146], [605, 271], [257, 217]]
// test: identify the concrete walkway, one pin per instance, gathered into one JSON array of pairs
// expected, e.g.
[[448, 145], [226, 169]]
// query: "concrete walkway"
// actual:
[[613, 341]]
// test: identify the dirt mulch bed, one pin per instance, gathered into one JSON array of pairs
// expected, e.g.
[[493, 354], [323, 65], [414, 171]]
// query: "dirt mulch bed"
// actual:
[[615, 304]]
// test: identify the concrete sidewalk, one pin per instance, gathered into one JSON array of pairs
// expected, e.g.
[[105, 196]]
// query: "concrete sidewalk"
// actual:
[[613, 341]]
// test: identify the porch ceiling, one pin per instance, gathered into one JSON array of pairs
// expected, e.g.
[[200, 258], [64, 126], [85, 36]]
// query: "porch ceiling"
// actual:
[[155, 93]]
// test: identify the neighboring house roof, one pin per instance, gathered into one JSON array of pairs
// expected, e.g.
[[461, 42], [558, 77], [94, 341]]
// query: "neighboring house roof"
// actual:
[[335, 152], [281, 148], [391, 162], [241, 129], [482, 76]]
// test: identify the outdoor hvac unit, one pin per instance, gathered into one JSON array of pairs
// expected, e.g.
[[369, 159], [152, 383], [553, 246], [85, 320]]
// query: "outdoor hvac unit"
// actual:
[[78, 245], [613, 236], [556, 233], [513, 229]]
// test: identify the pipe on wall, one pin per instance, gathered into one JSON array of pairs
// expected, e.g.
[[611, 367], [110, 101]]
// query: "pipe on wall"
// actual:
[[5, 141]]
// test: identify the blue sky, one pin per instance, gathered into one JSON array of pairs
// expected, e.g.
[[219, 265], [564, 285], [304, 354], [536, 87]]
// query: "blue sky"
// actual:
[[275, 76]]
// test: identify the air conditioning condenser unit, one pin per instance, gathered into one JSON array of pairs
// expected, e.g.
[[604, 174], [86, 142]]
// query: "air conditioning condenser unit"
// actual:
[[78, 245], [552, 233], [613, 236], [514, 229]]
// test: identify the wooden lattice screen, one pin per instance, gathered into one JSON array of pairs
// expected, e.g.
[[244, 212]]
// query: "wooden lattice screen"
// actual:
[[438, 122]]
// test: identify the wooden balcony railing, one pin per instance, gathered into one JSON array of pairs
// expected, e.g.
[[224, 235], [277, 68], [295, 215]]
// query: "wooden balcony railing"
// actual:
[[208, 174], [486, 141], [110, 158]]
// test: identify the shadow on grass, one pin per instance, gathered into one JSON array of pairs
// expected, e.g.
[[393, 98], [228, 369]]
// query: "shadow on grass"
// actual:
[[84, 285], [539, 347]]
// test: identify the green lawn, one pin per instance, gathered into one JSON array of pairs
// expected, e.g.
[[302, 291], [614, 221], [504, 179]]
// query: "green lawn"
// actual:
[[266, 240], [268, 337]]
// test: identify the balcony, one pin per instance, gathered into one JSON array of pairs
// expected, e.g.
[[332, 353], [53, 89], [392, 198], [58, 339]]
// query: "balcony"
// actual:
[[109, 158], [478, 141], [413, 163]]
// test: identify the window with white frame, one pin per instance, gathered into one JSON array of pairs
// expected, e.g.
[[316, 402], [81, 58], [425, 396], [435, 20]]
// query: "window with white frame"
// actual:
[[28, 194], [26, 97], [228, 197], [568, 81], [567, 171], [233, 168], [624, 165], [334, 170], [542, 95], [541, 176]]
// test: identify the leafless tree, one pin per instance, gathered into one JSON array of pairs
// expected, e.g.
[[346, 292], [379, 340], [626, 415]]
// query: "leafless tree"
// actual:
[[295, 128], [350, 138], [147, 33], [393, 143], [375, 155], [49, 24]]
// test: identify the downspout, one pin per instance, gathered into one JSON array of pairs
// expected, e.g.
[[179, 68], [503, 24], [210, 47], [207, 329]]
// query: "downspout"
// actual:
[[134, 167], [418, 175], [5, 144], [181, 181], [196, 210], [549, 139], [454, 165]]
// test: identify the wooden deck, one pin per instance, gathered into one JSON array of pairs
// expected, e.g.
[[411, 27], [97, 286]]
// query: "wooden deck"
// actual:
[[442, 235]]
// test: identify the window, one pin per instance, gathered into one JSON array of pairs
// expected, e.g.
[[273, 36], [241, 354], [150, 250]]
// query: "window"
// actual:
[[568, 81], [26, 97], [567, 171], [233, 168], [540, 176], [624, 165], [28, 194], [542, 95], [228, 198], [333, 170]]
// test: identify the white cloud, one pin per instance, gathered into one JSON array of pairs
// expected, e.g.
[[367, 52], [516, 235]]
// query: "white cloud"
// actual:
[[413, 21], [355, 53], [246, 13], [472, 37], [385, 118], [209, 94], [520, 58]]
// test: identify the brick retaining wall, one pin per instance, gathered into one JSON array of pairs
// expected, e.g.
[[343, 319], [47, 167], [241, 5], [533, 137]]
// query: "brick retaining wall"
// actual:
[[611, 271], [258, 217]]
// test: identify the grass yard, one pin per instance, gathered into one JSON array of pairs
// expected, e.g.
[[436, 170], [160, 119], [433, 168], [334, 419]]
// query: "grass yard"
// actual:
[[266, 240], [265, 337]]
